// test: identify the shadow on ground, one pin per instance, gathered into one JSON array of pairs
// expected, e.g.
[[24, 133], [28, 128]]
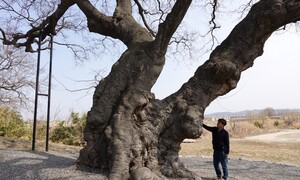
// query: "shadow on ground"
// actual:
[[42, 165]]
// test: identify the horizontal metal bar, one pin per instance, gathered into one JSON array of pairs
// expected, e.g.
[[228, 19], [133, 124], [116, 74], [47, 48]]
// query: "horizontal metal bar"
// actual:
[[43, 94]]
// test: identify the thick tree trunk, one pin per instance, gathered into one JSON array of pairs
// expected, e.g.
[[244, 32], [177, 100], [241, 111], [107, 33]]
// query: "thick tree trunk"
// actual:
[[113, 132]]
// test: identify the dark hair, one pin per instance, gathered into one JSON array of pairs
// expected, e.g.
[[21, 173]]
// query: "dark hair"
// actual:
[[223, 121]]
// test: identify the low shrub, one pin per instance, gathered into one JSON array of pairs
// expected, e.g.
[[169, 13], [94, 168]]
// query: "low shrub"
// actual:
[[276, 123], [11, 123], [258, 124], [70, 133]]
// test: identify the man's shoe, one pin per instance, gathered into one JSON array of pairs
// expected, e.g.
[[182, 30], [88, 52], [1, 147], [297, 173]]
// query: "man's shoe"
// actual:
[[217, 178]]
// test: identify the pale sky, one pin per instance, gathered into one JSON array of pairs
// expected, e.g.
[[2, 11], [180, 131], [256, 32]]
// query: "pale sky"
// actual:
[[273, 81]]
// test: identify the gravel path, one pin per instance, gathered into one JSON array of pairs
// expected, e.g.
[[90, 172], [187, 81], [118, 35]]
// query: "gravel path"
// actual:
[[25, 165], [244, 169]]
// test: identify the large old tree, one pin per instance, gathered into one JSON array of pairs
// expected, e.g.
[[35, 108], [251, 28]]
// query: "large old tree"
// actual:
[[129, 132]]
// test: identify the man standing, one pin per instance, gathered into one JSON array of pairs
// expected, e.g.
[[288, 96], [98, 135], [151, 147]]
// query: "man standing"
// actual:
[[220, 141]]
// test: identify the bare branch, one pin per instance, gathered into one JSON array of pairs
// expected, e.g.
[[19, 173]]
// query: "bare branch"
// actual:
[[141, 12], [79, 51], [22, 14], [214, 5], [102, 24], [73, 90], [161, 11], [47, 27], [167, 28]]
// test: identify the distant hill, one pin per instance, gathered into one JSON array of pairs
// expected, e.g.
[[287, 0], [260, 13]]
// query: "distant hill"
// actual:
[[277, 112]]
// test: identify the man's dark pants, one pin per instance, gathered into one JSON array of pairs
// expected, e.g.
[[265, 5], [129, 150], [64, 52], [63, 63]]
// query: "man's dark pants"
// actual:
[[219, 157]]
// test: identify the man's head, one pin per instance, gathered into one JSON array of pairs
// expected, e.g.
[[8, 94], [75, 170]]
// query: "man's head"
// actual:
[[221, 123]]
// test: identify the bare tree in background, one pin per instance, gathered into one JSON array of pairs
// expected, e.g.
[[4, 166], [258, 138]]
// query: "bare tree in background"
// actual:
[[129, 132], [16, 76]]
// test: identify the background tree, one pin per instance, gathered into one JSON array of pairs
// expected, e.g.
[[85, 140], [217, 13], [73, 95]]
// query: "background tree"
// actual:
[[129, 132], [16, 76], [268, 112]]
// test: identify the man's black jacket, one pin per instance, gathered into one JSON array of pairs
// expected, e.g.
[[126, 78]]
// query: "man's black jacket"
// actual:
[[220, 139]]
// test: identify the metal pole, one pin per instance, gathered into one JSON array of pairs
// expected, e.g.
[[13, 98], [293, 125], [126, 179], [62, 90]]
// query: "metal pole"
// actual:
[[49, 92], [36, 92]]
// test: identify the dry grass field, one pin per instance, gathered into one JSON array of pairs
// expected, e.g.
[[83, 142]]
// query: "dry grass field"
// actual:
[[283, 152], [15, 144]]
